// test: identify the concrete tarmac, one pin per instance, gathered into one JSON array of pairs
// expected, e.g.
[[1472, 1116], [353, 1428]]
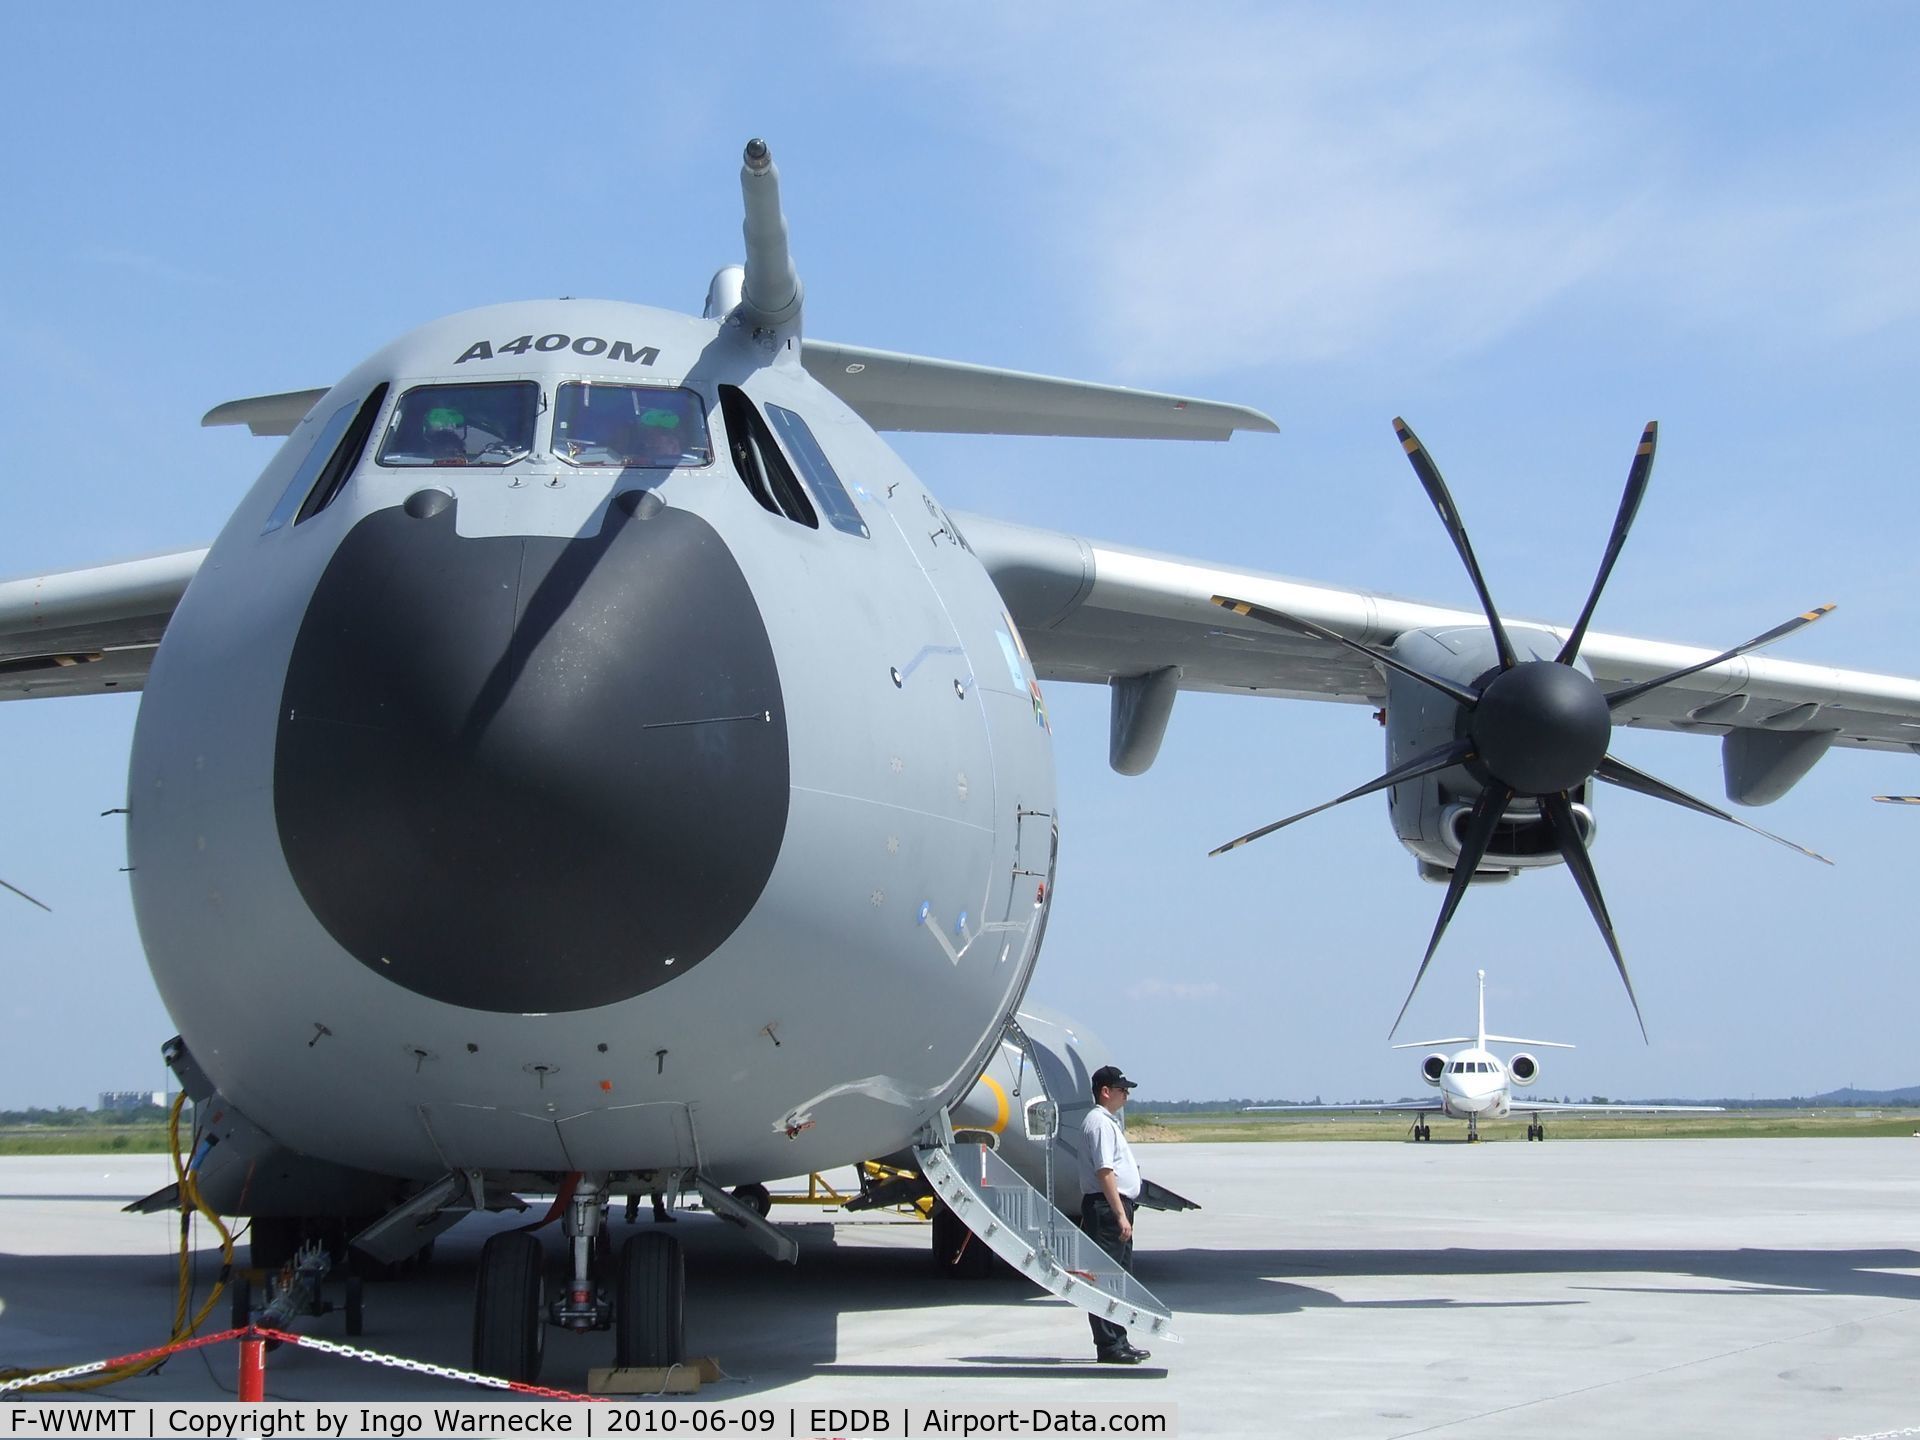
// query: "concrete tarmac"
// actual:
[[1577, 1288]]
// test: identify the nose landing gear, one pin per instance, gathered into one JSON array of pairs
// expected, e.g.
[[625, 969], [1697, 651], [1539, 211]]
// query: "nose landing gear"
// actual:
[[646, 1311]]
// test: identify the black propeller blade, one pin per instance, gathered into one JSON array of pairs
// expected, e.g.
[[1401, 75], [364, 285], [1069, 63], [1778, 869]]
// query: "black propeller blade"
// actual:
[[1566, 833], [1444, 758], [1442, 499], [1799, 622], [1637, 476], [1536, 729], [1280, 620], [1473, 849], [1618, 772], [26, 897]]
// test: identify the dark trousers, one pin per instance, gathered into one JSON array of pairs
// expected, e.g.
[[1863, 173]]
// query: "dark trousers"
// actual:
[[1098, 1221]]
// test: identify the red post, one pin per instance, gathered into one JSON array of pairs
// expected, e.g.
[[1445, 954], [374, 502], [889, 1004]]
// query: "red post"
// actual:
[[253, 1368]]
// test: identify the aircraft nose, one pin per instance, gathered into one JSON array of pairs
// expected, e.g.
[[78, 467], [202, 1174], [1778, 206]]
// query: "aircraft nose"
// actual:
[[530, 773]]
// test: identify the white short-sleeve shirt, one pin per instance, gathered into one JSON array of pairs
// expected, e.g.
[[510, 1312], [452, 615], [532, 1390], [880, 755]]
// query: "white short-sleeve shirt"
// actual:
[[1104, 1147]]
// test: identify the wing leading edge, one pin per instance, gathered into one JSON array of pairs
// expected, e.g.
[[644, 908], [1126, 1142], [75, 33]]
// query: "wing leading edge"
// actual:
[[90, 631], [891, 391], [1098, 613], [1404, 1107]]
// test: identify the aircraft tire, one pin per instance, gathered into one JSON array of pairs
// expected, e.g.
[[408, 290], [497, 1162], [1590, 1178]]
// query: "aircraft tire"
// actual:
[[757, 1196], [509, 1307], [650, 1302], [356, 1313]]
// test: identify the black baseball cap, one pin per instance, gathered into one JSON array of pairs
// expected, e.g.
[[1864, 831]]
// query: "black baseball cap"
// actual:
[[1110, 1075]]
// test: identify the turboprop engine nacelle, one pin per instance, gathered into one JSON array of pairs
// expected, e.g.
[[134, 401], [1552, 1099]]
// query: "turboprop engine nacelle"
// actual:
[[1433, 1067], [1524, 1068], [1430, 813]]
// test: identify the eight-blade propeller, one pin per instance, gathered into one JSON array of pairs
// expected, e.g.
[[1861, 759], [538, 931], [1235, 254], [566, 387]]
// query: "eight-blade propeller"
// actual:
[[1531, 729]]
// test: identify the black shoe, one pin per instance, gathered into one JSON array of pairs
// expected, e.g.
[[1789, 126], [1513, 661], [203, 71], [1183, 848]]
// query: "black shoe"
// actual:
[[1123, 1355]]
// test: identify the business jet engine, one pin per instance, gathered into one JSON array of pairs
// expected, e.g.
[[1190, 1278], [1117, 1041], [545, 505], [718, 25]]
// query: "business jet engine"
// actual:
[[1495, 736], [1524, 1068], [1433, 1067]]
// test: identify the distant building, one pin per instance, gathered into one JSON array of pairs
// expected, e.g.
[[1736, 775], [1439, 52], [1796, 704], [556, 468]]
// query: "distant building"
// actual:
[[132, 1099]]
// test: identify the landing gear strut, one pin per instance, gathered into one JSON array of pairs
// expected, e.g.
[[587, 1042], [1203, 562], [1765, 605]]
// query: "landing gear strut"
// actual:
[[1473, 1127], [583, 1305], [646, 1310]]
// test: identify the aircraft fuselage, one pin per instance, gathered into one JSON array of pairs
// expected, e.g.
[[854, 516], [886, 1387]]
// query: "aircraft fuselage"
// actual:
[[542, 809]]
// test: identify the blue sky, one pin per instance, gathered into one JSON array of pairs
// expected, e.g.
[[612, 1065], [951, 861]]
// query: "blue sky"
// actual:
[[1528, 232]]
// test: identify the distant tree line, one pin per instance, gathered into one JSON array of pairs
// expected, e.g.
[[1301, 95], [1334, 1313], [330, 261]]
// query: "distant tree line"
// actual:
[[1909, 1095], [76, 1118]]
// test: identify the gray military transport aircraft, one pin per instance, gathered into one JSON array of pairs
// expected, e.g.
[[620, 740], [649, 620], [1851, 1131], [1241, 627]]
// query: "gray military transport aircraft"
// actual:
[[590, 760]]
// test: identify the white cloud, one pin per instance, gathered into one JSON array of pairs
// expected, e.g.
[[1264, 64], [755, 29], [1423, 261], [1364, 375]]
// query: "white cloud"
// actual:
[[1174, 990], [149, 267], [1228, 187]]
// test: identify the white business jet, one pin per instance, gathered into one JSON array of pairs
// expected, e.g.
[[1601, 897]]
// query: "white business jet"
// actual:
[[1472, 1083]]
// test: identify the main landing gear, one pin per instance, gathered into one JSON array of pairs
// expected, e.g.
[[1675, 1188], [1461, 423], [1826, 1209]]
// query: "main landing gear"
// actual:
[[646, 1311], [1537, 1130], [1422, 1131]]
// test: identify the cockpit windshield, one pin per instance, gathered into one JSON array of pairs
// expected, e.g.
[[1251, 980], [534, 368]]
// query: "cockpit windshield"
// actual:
[[462, 425], [630, 425]]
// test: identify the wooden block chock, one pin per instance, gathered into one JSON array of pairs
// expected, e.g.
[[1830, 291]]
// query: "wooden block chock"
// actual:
[[686, 1378]]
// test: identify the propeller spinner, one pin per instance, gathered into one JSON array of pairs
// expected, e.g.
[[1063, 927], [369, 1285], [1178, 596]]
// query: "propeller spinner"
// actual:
[[1536, 729]]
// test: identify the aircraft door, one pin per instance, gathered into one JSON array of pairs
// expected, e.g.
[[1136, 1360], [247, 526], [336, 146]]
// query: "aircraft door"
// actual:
[[1036, 849]]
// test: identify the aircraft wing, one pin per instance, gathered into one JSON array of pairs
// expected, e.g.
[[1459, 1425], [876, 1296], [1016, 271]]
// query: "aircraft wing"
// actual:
[[1094, 612], [91, 631], [1550, 1107], [914, 392], [1402, 1107]]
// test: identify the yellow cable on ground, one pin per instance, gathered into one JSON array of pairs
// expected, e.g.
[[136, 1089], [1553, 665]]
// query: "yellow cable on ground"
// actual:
[[191, 1202]]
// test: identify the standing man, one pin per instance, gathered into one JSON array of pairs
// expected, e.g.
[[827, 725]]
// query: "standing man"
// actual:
[[1110, 1187]]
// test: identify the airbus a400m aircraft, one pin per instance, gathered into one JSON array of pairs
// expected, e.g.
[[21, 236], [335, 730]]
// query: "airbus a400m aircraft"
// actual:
[[590, 758]]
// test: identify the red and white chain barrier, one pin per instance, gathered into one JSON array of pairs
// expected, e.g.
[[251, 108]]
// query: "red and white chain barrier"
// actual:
[[252, 1343]]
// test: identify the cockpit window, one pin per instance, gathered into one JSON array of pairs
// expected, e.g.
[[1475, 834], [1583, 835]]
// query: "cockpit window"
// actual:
[[630, 425], [462, 425]]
